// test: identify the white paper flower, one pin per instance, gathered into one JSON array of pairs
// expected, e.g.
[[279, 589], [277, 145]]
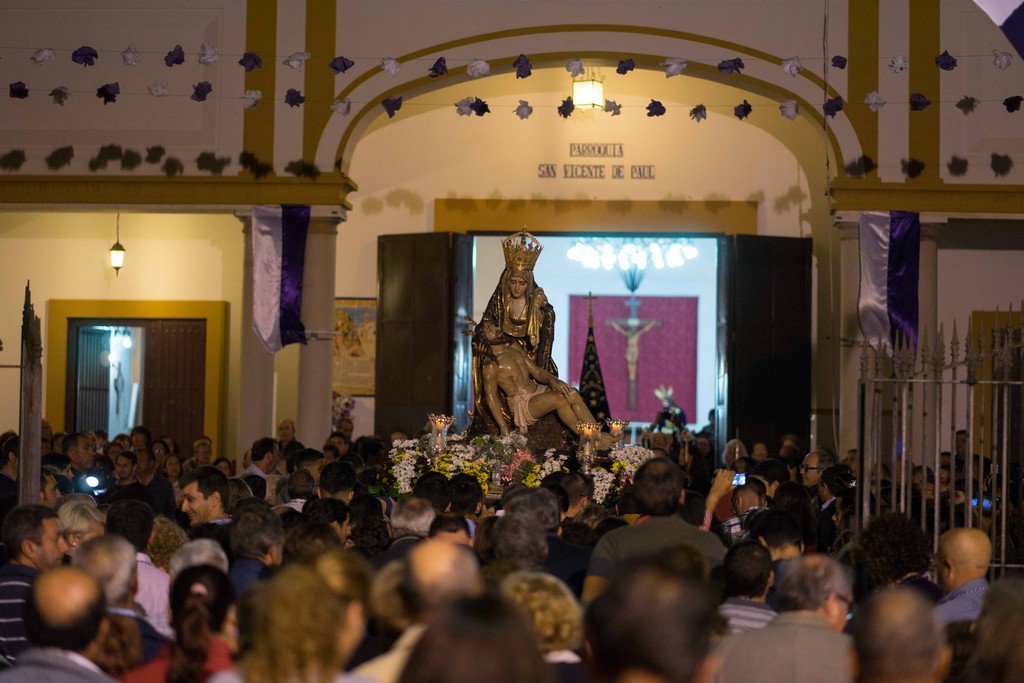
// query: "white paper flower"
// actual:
[[131, 56], [478, 68], [251, 98], [874, 101], [792, 66], [789, 109], [574, 67], [296, 59], [390, 65], [898, 64], [462, 106], [158, 88], [342, 107], [612, 107], [208, 55], [42, 55], [1001, 59], [673, 66], [524, 109]]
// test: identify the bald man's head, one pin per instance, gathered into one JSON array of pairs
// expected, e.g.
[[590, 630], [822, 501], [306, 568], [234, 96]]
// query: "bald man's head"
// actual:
[[899, 637], [439, 573], [65, 610], [964, 555]]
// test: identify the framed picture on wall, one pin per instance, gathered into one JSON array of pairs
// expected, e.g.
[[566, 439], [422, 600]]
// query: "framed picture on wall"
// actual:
[[355, 346]]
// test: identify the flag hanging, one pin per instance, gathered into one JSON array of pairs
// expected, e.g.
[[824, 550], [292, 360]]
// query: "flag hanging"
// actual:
[[591, 379], [279, 251], [1009, 16], [890, 244]]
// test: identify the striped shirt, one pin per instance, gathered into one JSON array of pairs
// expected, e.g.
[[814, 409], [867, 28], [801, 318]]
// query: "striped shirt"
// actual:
[[964, 603], [745, 615], [15, 584]]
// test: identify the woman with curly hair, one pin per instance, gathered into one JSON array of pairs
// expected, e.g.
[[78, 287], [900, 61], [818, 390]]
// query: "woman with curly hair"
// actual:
[[896, 554], [551, 609]]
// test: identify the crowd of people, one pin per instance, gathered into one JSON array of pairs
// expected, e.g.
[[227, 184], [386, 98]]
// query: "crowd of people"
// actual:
[[139, 563]]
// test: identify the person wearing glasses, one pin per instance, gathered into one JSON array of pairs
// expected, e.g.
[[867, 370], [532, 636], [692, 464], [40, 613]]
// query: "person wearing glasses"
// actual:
[[814, 464]]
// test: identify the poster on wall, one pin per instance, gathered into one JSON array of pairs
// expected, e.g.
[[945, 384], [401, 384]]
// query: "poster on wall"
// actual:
[[355, 346]]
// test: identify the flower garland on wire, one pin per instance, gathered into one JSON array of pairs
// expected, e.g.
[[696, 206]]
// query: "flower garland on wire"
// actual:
[[611, 478]]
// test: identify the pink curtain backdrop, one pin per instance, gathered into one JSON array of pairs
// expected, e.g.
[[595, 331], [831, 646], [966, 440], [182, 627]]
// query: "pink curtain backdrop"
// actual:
[[668, 352]]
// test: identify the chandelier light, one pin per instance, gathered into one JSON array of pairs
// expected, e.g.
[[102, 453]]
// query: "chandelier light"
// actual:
[[632, 257], [588, 93], [117, 251]]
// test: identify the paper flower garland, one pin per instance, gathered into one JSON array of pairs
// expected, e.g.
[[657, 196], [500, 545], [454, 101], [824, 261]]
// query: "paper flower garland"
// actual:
[[1001, 165], [251, 98], [208, 55], [673, 66], [208, 161], [390, 65], [524, 110], [301, 169], [108, 92], [43, 55], [898, 64], [789, 109], [479, 107], [130, 56], [945, 61], [158, 88], [957, 166], [340, 65], [625, 66], [295, 60], [13, 160], [462, 106], [574, 67], [392, 105], [293, 97], [250, 61], [731, 66], [967, 104], [912, 168], [60, 95], [59, 158], [201, 90], [742, 111], [792, 66], [85, 55], [1001, 59], [655, 108], [874, 101], [18, 90], [478, 68], [833, 106], [172, 167], [839, 62], [918, 102], [155, 154], [566, 109], [523, 67], [440, 68], [699, 113], [342, 107], [1012, 104], [175, 56], [612, 107]]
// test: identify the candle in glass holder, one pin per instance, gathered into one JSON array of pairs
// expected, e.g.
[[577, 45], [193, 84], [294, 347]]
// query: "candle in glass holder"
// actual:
[[439, 425], [616, 427], [587, 431]]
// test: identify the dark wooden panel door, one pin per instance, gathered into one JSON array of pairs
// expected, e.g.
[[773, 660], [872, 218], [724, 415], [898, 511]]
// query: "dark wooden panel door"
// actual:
[[765, 304], [175, 379], [92, 379]]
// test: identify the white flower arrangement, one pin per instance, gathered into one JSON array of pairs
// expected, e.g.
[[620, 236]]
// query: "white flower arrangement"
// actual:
[[610, 479]]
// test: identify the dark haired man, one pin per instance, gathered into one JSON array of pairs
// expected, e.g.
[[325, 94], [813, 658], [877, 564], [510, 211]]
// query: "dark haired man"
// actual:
[[133, 520], [204, 493], [338, 480], [9, 467], [748, 574], [257, 542], [76, 448], [160, 489]]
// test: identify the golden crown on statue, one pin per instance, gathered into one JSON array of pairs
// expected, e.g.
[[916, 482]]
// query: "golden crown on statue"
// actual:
[[521, 250]]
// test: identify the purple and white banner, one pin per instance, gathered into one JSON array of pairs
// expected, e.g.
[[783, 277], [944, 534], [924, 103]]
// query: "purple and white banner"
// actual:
[[1009, 16], [279, 252], [890, 247]]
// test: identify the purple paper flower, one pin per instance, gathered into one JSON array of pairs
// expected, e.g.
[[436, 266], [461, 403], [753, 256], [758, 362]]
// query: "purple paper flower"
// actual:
[[655, 108], [945, 61], [566, 108], [85, 55], [832, 106], [109, 92], [201, 90], [479, 107], [625, 66], [919, 102], [1012, 104], [391, 105], [340, 65], [523, 67], [293, 97], [250, 61], [699, 113], [440, 68], [175, 56], [839, 62], [731, 66], [19, 90], [742, 111]]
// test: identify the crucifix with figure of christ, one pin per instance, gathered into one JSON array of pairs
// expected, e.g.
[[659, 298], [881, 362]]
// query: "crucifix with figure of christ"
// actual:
[[632, 328]]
